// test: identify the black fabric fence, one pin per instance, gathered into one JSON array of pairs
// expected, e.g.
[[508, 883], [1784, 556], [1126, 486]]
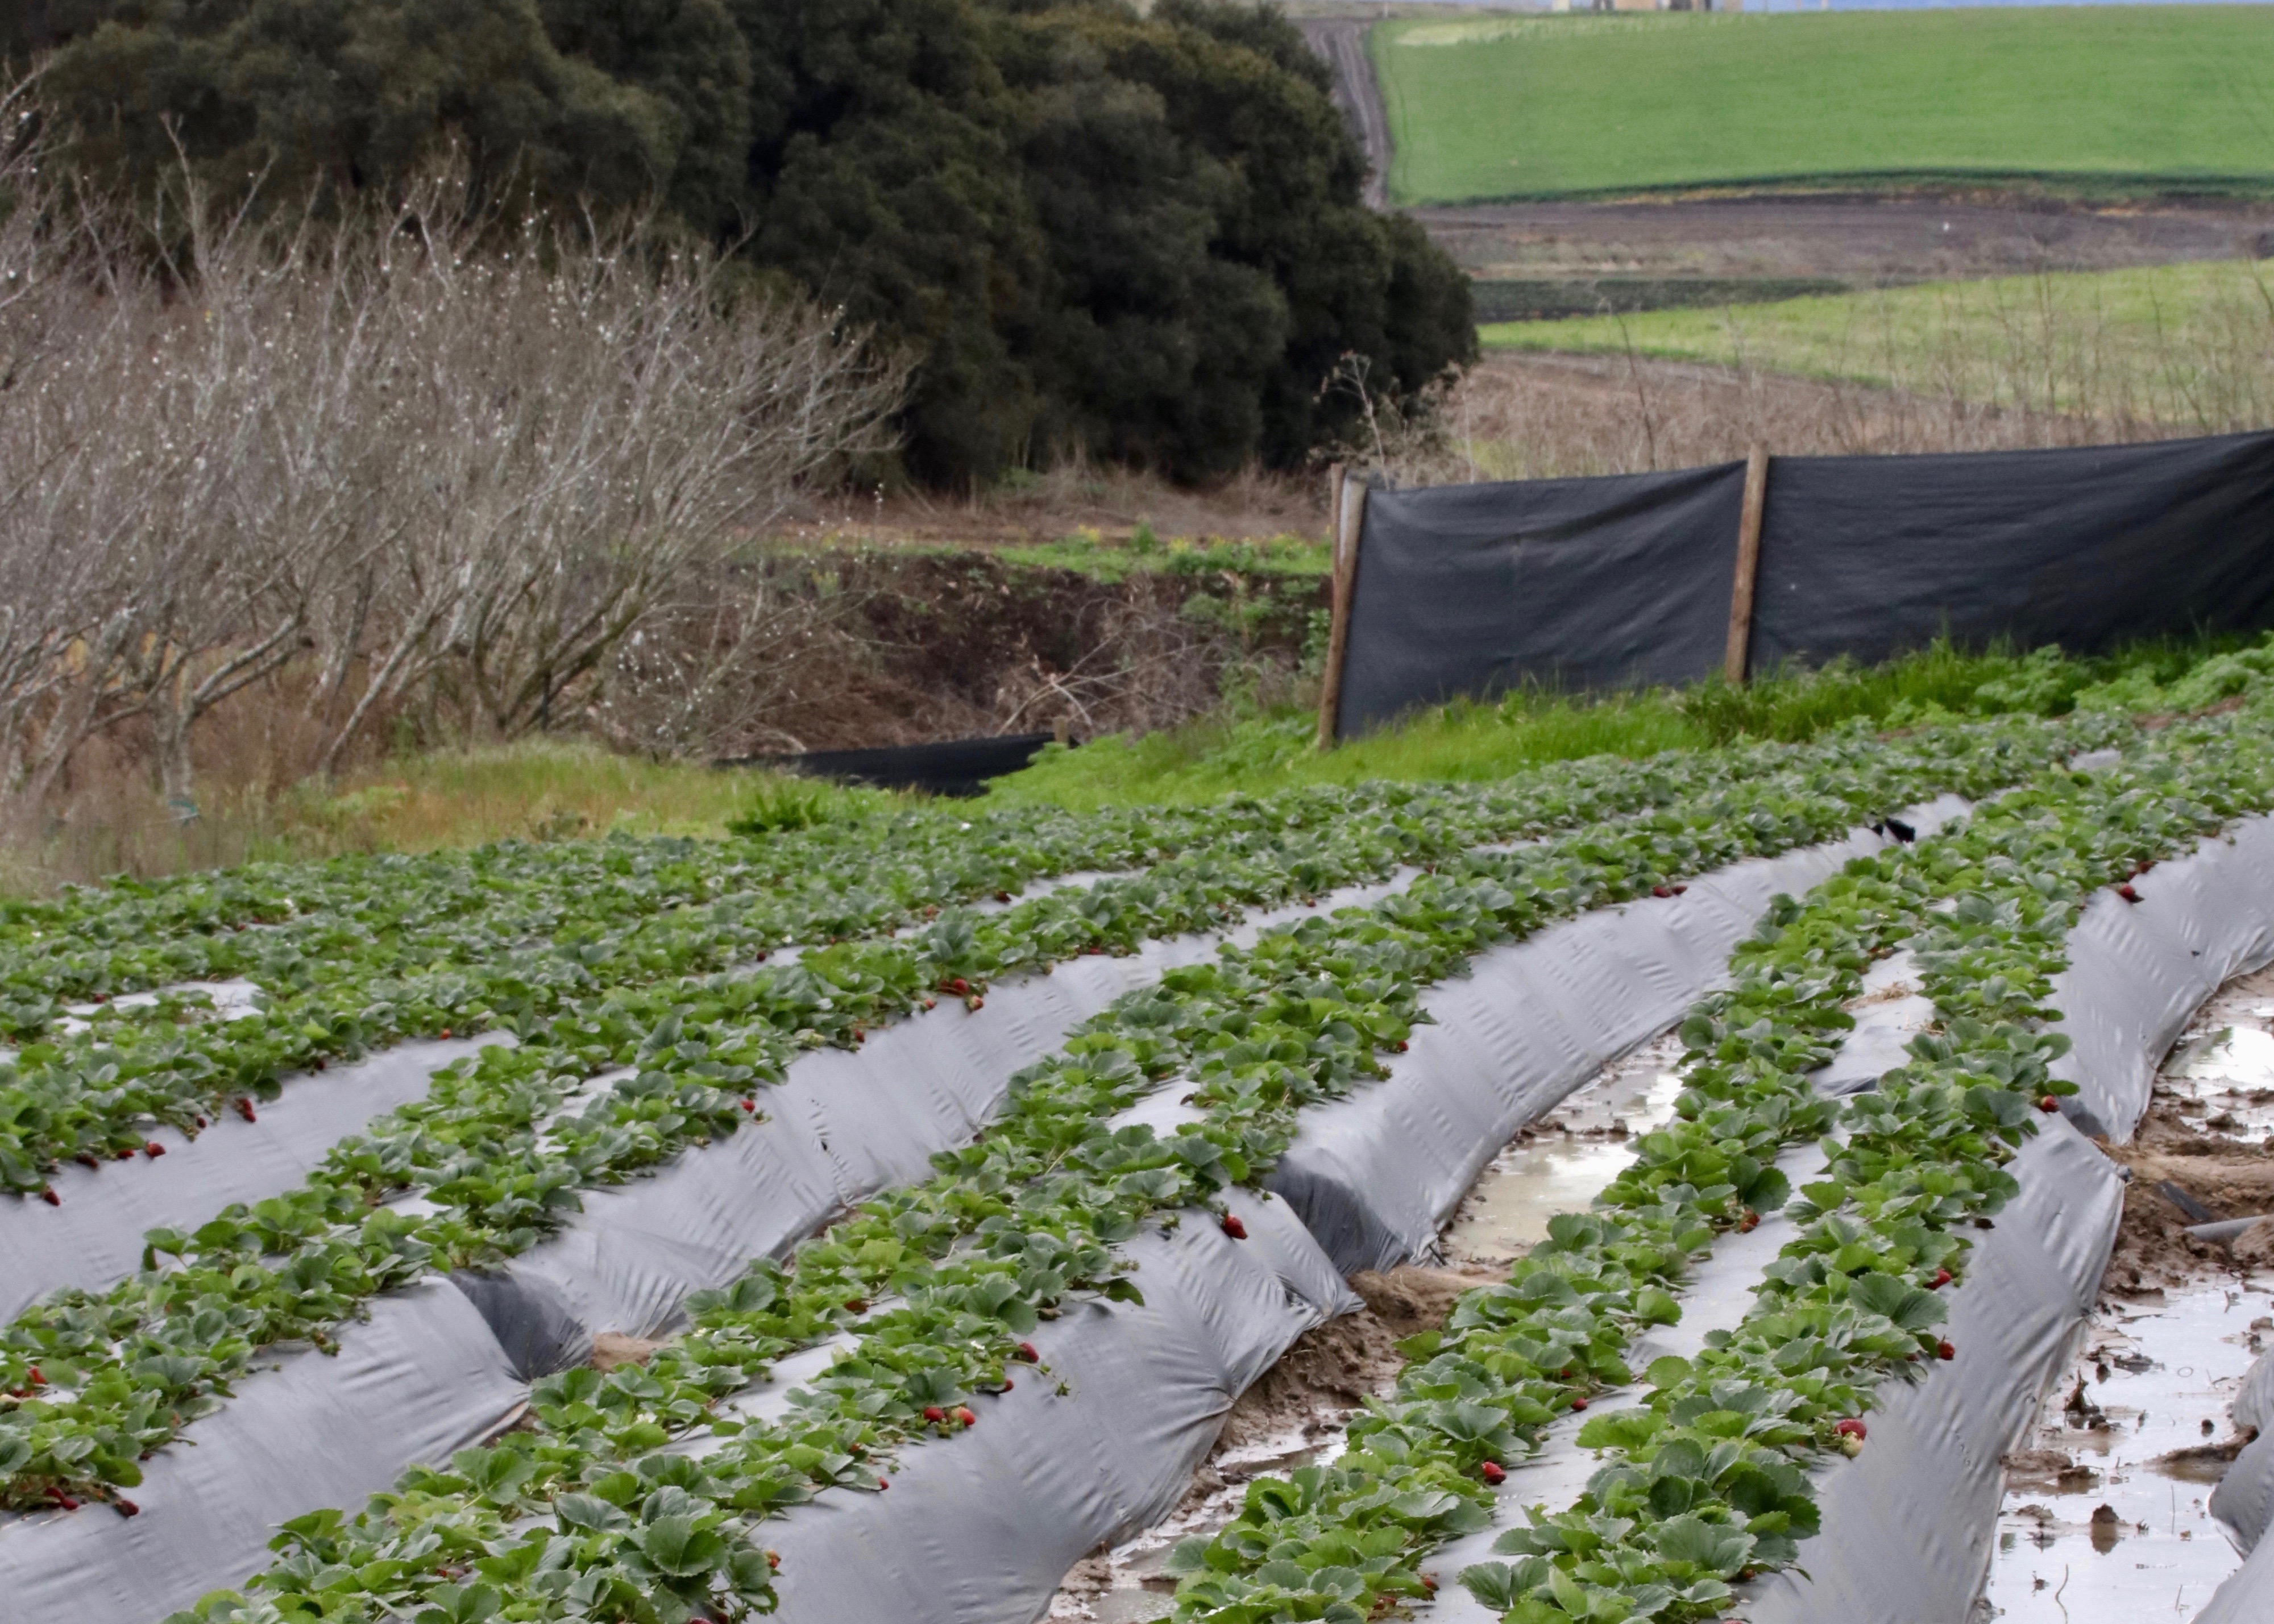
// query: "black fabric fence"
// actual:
[[954, 767], [1474, 590]]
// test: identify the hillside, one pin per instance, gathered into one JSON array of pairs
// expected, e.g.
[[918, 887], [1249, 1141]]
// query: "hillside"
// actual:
[[2118, 99]]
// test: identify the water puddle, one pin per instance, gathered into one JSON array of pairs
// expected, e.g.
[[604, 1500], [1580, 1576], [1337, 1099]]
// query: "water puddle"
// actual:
[[2105, 1520], [1563, 1161]]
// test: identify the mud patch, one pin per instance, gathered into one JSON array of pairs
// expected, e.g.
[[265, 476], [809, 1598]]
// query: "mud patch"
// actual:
[[2105, 1518]]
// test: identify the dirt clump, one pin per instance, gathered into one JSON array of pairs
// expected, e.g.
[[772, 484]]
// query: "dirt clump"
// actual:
[[612, 1350], [2182, 1175], [2051, 1470]]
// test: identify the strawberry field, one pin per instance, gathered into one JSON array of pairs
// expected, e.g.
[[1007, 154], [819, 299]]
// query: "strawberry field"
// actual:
[[871, 1220]]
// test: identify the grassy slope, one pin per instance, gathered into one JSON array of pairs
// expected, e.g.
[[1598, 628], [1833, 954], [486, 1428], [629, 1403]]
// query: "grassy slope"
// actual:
[[1541, 105], [1465, 741], [2054, 337]]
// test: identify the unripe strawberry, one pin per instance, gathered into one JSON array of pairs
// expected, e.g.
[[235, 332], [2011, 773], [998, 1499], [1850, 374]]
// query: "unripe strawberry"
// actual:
[[1851, 1447]]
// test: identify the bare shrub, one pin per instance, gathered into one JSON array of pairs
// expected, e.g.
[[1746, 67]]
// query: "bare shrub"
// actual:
[[417, 452]]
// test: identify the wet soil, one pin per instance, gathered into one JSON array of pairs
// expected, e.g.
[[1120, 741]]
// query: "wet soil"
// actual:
[[1294, 1416], [2105, 1517]]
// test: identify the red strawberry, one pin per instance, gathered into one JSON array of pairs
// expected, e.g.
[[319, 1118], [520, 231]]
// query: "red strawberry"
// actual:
[[858, 1305], [1945, 1349], [127, 1508], [65, 1501], [2142, 866], [202, 1121], [2048, 1105], [931, 1004], [154, 1149], [1234, 1228], [323, 1064], [1002, 896], [963, 1414], [1660, 890], [1578, 1403], [773, 1560], [445, 1031], [883, 1482], [244, 1107], [1007, 1385], [122, 1155], [934, 1414], [750, 1105], [1750, 1222], [2126, 891], [1400, 1046], [47, 1194], [1941, 1279], [1849, 1428], [1491, 1473], [1680, 889], [34, 1378], [1027, 1352], [1428, 1584], [974, 1004], [85, 1160]]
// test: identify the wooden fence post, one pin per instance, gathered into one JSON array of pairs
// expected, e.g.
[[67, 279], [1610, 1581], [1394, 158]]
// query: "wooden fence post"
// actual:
[[1749, 560], [1348, 509]]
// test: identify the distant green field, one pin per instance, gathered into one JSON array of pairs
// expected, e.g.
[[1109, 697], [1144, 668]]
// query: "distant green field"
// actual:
[[2125, 98], [2175, 342]]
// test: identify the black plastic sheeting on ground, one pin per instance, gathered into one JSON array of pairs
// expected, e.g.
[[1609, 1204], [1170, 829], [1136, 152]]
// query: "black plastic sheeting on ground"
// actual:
[[954, 767], [1475, 590]]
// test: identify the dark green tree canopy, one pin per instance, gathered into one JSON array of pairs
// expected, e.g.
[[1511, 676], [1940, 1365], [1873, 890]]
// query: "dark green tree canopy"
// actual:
[[1136, 236]]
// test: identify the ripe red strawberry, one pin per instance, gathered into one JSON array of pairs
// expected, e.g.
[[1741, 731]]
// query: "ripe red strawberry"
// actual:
[[1491, 1473], [934, 1414], [154, 1150], [34, 1378], [202, 1121], [858, 1305], [127, 1508], [1002, 896], [322, 1064], [773, 1560], [85, 1160], [2126, 891], [1027, 1352], [883, 1482], [750, 1105], [1680, 889], [1234, 1228], [1428, 1584], [2048, 1105], [1750, 1222], [122, 1155], [244, 1107], [1400, 1046], [1945, 1349], [1941, 1279], [1849, 1428], [2142, 866], [65, 1501], [445, 1031], [47, 1194], [1578, 1403], [963, 1414], [1660, 890], [931, 1004], [1007, 1385]]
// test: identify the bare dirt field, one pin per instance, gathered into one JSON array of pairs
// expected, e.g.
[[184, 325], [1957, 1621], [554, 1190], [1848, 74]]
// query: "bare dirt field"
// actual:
[[1863, 238]]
